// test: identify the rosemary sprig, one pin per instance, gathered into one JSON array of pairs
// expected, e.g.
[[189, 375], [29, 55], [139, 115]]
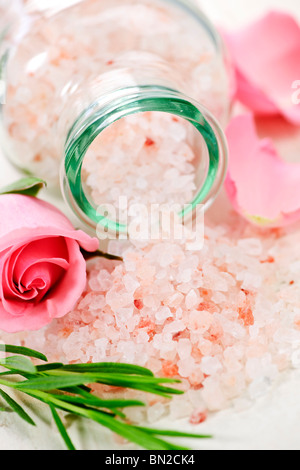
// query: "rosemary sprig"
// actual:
[[65, 388]]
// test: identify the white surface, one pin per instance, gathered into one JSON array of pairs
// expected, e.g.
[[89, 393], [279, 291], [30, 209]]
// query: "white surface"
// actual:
[[272, 423]]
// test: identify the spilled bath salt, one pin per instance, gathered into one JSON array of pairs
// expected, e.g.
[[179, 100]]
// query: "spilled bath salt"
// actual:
[[56, 72], [225, 320]]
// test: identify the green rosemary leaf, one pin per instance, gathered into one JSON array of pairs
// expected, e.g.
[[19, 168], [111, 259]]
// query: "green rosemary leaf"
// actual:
[[19, 364], [16, 407], [162, 432], [92, 400], [129, 432], [8, 348], [8, 373], [62, 430], [53, 382], [29, 186], [80, 390], [47, 367], [167, 390], [107, 367]]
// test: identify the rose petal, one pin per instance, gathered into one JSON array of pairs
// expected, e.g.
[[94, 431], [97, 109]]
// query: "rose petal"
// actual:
[[61, 299], [261, 186], [30, 260], [42, 276], [41, 250], [266, 56], [27, 218]]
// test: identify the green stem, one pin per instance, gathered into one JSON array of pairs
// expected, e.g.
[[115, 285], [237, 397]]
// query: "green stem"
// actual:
[[9, 384]]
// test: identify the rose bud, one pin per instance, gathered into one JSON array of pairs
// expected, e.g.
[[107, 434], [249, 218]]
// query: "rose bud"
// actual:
[[43, 272]]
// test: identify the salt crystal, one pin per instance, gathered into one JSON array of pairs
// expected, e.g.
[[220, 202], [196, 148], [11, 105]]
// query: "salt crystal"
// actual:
[[127, 350], [155, 412], [186, 366], [259, 388], [250, 280], [251, 246], [104, 280], [213, 395], [174, 327], [118, 300], [184, 349], [287, 335], [295, 267], [131, 284], [218, 298], [211, 365], [194, 397], [175, 299], [142, 337], [180, 409], [97, 303], [101, 346], [151, 301], [162, 314], [192, 299]]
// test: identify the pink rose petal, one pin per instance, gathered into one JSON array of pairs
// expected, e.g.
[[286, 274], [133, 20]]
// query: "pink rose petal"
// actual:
[[71, 287], [266, 57], [42, 269], [261, 186], [37, 220]]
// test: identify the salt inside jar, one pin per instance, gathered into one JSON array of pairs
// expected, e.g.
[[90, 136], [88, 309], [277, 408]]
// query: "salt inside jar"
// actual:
[[119, 98]]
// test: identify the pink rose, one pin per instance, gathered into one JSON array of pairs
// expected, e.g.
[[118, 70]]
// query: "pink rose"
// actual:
[[43, 272]]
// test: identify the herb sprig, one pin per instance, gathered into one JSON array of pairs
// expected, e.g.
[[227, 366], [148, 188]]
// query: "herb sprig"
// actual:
[[66, 388]]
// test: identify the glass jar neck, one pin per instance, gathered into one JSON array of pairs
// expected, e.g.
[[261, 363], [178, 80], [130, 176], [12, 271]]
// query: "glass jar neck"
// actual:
[[114, 105]]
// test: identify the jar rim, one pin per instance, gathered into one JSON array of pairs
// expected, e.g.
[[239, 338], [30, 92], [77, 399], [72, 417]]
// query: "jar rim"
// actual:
[[131, 101]]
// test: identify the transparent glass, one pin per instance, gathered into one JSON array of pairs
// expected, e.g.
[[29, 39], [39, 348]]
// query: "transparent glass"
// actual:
[[72, 72]]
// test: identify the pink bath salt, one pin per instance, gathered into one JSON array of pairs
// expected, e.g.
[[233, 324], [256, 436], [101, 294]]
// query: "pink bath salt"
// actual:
[[169, 369], [198, 417], [139, 304], [246, 315], [206, 346]]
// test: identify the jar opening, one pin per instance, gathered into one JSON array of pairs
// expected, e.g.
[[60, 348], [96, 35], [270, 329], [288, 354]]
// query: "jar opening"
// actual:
[[95, 133]]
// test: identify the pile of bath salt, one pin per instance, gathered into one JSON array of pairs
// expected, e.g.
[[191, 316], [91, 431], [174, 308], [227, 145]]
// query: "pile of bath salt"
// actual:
[[147, 158], [224, 320], [56, 72]]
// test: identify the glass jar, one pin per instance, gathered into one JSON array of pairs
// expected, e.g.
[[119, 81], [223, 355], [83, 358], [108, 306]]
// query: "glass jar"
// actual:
[[117, 98]]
